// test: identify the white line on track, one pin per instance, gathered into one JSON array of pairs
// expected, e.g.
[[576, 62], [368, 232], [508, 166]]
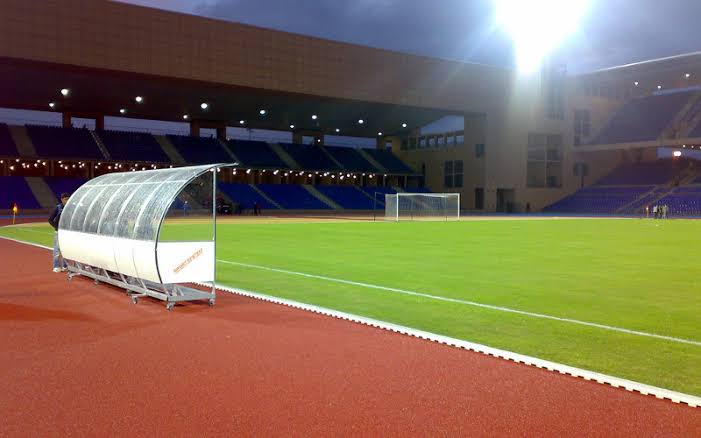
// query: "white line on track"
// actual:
[[616, 382], [467, 303]]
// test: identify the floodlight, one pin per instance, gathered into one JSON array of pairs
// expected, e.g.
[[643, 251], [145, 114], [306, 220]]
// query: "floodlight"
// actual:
[[314, 117], [204, 105], [52, 105], [185, 116], [292, 126], [379, 133], [139, 99], [688, 75], [361, 121], [537, 27], [65, 91], [338, 130], [403, 125], [262, 112], [677, 153], [122, 111], [241, 122]]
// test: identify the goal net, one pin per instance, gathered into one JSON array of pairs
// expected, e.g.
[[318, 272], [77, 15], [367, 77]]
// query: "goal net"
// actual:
[[422, 206]]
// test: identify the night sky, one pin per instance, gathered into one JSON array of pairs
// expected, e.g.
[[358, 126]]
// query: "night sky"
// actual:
[[614, 32]]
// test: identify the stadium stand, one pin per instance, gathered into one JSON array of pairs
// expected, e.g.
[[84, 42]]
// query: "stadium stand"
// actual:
[[350, 159], [255, 154], [200, 150], [654, 172], [7, 145], [598, 200], [132, 146], [643, 118], [53, 142], [245, 195], [293, 197], [389, 161], [349, 197], [683, 201], [16, 189], [309, 157], [60, 185]]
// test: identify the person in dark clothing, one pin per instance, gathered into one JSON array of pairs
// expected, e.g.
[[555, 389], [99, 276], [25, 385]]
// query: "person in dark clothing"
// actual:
[[54, 219]]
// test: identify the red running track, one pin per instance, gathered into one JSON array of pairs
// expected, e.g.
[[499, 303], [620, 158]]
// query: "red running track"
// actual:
[[80, 359]]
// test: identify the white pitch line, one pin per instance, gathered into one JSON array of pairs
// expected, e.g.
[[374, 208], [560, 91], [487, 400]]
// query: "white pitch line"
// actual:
[[469, 303]]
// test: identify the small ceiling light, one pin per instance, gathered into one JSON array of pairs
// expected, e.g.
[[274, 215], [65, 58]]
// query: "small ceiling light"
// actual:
[[52, 105], [403, 125], [361, 121], [292, 126], [122, 111], [65, 92], [204, 105], [314, 117], [262, 112], [242, 122], [185, 117], [139, 99]]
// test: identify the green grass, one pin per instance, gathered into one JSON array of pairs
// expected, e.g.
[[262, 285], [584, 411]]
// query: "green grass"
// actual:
[[635, 274]]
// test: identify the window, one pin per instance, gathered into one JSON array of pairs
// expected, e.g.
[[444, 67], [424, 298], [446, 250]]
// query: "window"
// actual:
[[553, 91], [582, 126], [479, 150], [453, 174], [544, 160]]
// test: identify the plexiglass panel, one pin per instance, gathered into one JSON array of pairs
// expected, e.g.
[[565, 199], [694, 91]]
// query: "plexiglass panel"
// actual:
[[129, 205]]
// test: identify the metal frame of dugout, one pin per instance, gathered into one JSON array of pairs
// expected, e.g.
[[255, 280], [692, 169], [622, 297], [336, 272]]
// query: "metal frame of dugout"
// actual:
[[110, 231]]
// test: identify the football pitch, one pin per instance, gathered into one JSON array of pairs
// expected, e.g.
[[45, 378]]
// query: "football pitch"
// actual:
[[616, 296]]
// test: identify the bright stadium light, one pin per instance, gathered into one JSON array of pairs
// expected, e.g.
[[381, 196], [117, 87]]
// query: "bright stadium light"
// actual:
[[262, 112], [636, 83], [204, 105], [677, 153], [659, 87], [537, 27], [292, 126], [361, 121], [338, 130], [380, 134], [52, 105], [688, 75], [185, 116], [242, 122], [122, 111], [139, 99], [314, 117], [65, 92], [403, 125]]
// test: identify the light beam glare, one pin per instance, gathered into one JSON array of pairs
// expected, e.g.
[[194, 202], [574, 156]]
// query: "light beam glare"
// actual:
[[537, 27]]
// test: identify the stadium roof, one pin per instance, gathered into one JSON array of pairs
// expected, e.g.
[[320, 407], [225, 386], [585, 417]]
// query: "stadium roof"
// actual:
[[32, 85], [107, 53]]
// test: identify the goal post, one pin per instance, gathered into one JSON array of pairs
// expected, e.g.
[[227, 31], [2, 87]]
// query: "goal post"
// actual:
[[422, 206]]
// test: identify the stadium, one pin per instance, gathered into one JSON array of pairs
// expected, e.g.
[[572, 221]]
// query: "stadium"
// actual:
[[329, 265]]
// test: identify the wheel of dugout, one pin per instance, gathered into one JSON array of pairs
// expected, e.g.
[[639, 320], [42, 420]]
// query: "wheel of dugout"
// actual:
[[211, 302], [135, 300], [170, 306]]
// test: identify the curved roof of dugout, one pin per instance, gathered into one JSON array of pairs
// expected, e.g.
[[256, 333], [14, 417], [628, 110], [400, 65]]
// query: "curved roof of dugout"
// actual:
[[128, 205]]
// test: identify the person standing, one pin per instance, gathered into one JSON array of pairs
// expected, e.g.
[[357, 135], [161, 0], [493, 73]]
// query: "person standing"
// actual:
[[54, 219]]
